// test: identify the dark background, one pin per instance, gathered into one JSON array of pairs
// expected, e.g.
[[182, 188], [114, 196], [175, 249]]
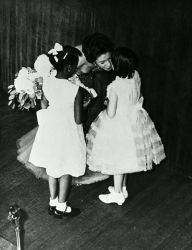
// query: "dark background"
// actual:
[[158, 31]]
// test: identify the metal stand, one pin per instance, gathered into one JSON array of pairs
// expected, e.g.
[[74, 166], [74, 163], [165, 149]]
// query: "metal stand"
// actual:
[[14, 216]]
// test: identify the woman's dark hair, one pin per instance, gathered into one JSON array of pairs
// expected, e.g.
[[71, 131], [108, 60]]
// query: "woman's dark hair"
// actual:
[[95, 45], [124, 61], [69, 56]]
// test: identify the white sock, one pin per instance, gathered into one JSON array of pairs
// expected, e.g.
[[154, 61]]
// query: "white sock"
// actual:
[[53, 202], [62, 206]]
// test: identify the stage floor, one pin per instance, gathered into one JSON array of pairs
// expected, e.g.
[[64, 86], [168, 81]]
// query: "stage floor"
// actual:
[[157, 214]]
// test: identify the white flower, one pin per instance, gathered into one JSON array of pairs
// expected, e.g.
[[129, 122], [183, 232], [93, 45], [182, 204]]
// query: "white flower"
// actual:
[[24, 85], [32, 76], [23, 73]]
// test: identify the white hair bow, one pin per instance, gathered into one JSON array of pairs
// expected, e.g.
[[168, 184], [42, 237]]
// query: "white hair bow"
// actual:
[[54, 51], [57, 47]]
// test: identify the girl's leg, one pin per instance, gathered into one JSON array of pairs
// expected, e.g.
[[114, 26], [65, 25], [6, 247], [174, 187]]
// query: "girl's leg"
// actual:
[[116, 196], [53, 182], [53, 186], [124, 188], [118, 182], [125, 192], [64, 187], [125, 180]]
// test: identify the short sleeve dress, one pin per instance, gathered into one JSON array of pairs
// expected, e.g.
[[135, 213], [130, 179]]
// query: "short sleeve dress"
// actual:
[[128, 142], [59, 144]]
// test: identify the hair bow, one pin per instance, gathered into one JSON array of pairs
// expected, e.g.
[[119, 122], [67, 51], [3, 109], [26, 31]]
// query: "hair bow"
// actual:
[[54, 51]]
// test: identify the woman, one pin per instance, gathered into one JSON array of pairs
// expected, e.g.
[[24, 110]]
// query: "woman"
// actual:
[[96, 53], [95, 71]]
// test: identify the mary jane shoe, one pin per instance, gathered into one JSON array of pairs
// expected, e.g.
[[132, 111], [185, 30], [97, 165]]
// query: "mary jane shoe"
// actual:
[[112, 198], [51, 210], [69, 212], [124, 191]]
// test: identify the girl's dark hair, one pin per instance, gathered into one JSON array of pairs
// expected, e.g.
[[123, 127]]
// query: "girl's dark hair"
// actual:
[[95, 45], [69, 56], [125, 62]]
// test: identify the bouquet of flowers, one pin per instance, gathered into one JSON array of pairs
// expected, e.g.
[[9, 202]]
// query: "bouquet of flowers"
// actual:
[[27, 87]]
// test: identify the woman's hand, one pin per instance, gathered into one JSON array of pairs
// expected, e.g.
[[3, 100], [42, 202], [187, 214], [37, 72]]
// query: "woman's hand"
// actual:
[[93, 92], [106, 101], [86, 102]]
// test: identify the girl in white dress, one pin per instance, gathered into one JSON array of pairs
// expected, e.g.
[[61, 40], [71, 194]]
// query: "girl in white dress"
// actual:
[[123, 139], [59, 144], [95, 56]]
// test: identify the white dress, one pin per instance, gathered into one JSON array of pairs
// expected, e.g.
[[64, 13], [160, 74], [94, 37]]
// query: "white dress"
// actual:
[[59, 144], [24, 147], [128, 142]]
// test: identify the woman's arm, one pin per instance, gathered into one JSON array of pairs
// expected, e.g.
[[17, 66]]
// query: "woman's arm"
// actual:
[[78, 106], [112, 104]]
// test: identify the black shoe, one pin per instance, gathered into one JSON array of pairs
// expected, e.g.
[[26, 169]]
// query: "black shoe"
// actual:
[[60, 214], [51, 210]]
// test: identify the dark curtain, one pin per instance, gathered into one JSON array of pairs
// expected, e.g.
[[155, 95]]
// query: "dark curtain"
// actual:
[[159, 32], [29, 28]]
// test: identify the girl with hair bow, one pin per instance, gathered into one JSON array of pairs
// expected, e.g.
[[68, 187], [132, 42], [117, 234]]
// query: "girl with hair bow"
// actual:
[[59, 146]]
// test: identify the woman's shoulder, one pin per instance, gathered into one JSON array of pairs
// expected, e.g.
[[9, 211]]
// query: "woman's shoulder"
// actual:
[[104, 76]]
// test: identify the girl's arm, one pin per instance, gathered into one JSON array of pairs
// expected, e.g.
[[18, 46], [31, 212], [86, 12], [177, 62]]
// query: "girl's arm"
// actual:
[[44, 102], [78, 106], [112, 104]]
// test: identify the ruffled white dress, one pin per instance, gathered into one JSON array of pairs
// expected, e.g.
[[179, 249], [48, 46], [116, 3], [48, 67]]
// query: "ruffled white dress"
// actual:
[[59, 144], [128, 142]]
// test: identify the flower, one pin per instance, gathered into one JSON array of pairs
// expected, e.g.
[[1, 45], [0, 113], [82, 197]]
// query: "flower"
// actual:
[[26, 90], [27, 87], [23, 81], [24, 85], [23, 72]]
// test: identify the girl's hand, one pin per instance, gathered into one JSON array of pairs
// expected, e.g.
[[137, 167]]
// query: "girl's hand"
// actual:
[[112, 105], [44, 102]]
